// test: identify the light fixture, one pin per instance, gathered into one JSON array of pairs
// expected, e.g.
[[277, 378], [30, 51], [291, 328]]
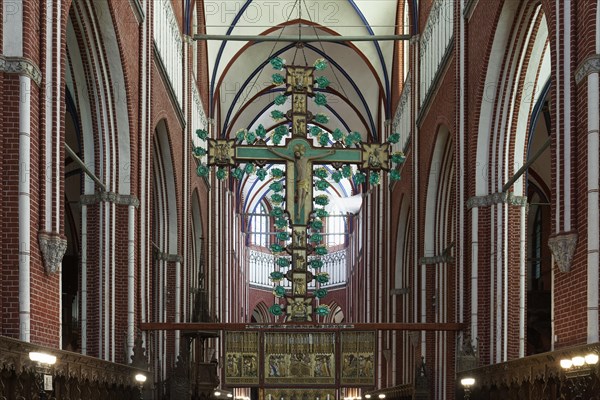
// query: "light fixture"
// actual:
[[217, 393], [381, 396], [467, 382], [578, 361], [367, 396], [229, 395], [42, 358], [566, 363], [44, 361], [140, 379], [591, 359]]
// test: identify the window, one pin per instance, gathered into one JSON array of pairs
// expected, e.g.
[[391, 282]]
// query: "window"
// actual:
[[259, 228]]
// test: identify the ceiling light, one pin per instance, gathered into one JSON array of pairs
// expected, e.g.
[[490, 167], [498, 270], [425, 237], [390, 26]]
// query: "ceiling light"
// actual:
[[381, 396], [141, 378], [367, 396], [217, 393]]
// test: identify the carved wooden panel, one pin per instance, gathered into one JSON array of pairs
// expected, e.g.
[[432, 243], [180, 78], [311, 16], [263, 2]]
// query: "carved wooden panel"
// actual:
[[241, 358], [358, 358], [299, 358]]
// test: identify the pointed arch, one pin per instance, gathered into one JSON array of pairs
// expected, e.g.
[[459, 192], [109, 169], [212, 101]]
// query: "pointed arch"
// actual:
[[439, 238], [336, 314], [97, 129], [402, 306], [197, 244], [165, 232], [164, 198], [261, 314], [518, 69], [93, 52]]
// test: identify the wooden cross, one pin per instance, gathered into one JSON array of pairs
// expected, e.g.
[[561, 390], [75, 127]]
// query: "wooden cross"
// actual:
[[299, 155]]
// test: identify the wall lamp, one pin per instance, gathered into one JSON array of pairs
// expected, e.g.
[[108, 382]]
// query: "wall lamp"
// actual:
[[42, 358], [140, 379], [579, 365], [44, 361], [467, 383]]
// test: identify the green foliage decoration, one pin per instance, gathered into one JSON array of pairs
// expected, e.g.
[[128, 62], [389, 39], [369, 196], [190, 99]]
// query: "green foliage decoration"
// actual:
[[320, 64], [322, 81], [277, 63], [221, 173], [279, 291], [276, 309], [202, 134], [320, 99], [202, 170]]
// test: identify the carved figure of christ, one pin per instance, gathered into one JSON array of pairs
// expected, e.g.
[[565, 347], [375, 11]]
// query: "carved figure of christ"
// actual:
[[303, 176]]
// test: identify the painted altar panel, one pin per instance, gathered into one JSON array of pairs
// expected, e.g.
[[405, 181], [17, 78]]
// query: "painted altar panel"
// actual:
[[358, 358], [299, 358], [241, 358], [299, 394]]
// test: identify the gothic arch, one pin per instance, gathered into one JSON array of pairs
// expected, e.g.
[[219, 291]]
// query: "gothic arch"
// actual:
[[97, 129], [261, 314], [164, 192], [95, 76], [401, 306], [165, 231], [436, 269], [518, 69], [196, 259], [336, 314]]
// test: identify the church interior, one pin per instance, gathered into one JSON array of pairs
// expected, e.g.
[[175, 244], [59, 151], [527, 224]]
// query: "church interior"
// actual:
[[300, 199]]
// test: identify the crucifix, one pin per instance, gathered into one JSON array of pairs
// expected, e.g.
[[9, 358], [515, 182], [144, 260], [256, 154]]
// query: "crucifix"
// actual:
[[299, 155]]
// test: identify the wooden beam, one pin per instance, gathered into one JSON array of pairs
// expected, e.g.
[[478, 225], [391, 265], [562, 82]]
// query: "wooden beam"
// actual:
[[221, 326]]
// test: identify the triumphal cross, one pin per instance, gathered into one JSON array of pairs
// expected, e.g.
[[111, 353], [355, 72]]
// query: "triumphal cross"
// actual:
[[300, 155]]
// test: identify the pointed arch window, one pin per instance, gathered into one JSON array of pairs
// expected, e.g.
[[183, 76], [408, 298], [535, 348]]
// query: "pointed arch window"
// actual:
[[260, 227], [536, 247], [336, 229]]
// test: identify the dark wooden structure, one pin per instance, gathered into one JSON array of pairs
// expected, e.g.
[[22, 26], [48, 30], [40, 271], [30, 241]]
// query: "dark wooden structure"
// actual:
[[75, 376], [536, 377]]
